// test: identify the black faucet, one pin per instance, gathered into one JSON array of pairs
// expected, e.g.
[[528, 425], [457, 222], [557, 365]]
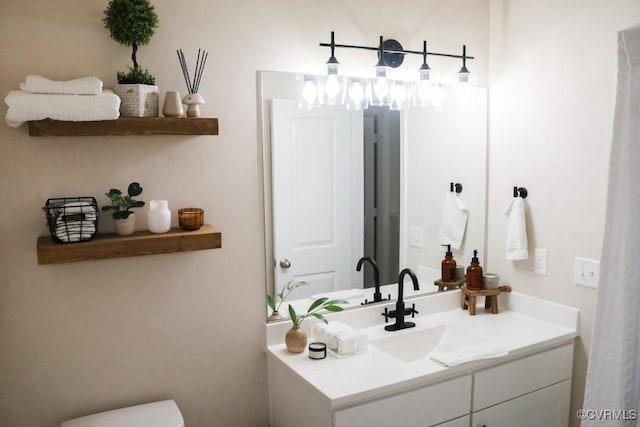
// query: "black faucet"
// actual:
[[400, 311], [377, 296]]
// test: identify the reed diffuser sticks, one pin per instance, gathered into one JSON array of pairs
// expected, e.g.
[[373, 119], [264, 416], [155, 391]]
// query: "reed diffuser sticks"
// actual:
[[192, 86]]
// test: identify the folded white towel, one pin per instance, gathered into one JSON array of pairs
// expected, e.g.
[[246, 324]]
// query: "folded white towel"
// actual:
[[24, 107], [327, 332], [478, 351], [351, 342], [517, 244], [453, 223], [81, 86], [76, 237]]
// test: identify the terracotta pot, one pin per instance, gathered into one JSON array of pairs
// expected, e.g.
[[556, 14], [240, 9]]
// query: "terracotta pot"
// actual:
[[125, 227], [296, 340]]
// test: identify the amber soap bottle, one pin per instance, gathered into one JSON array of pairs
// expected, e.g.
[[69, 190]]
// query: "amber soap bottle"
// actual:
[[448, 272], [474, 274]]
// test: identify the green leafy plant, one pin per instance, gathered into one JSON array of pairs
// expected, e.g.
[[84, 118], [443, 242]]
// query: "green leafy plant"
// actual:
[[122, 204], [272, 300], [132, 23], [332, 305]]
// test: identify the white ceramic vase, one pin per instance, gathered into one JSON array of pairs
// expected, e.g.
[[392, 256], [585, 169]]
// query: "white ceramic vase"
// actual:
[[172, 105], [159, 216], [125, 227]]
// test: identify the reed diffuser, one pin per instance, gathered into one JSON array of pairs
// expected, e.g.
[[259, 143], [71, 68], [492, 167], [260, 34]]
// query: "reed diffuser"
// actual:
[[193, 99]]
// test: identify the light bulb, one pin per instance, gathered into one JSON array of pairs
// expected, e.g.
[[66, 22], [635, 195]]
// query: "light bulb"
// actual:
[[333, 86], [380, 89], [308, 96], [356, 98]]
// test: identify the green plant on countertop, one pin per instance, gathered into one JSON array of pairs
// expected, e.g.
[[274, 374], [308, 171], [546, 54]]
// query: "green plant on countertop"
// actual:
[[122, 204], [313, 310], [132, 23]]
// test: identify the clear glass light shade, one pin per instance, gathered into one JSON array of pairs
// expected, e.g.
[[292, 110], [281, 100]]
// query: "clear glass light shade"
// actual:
[[309, 94], [356, 94], [380, 89], [400, 95], [334, 86], [438, 96], [422, 92]]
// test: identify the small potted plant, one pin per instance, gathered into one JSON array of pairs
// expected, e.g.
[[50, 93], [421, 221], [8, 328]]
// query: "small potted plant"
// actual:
[[295, 338], [275, 301], [124, 219], [132, 23]]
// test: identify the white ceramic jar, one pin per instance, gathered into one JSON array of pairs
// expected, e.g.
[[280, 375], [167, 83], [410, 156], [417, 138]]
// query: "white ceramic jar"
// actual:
[[159, 216]]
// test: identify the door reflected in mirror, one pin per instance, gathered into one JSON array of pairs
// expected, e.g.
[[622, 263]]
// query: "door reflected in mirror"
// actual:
[[340, 185]]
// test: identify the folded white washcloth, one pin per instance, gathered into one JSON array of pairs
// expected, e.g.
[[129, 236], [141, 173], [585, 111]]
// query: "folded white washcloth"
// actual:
[[453, 223], [351, 342], [24, 107], [81, 86], [327, 332], [346, 294], [69, 238], [481, 350], [517, 244]]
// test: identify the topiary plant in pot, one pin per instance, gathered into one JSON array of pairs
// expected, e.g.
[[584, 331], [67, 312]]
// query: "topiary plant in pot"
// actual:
[[124, 218], [133, 23]]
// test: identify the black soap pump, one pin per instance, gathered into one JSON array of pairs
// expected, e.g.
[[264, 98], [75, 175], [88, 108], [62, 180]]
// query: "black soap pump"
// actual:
[[448, 272], [474, 274]]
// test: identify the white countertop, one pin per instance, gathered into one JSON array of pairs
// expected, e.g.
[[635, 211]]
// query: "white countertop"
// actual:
[[524, 325]]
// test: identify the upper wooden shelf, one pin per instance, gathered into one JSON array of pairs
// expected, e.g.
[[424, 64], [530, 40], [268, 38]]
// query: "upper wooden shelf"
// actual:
[[126, 126], [110, 245]]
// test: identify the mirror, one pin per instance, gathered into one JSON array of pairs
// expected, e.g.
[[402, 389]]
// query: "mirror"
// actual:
[[404, 181]]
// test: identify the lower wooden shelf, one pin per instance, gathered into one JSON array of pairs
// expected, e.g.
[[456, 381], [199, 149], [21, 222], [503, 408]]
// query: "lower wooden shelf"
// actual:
[[109, 245]]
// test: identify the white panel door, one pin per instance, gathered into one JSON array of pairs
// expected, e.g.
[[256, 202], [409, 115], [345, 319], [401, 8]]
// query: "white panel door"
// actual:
[[315, 196]]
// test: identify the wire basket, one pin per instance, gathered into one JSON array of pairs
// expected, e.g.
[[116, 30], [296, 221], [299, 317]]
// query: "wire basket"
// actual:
[[72, 219]]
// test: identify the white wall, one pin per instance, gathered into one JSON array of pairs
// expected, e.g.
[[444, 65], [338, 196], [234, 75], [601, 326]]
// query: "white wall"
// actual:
[[552, 92], [92, 336]]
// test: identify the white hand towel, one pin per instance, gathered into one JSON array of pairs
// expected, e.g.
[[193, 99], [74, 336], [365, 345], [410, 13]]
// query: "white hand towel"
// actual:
[[81, 86], [351, 342], [517, 245], [454, 221], [482, 350], [327, 332]]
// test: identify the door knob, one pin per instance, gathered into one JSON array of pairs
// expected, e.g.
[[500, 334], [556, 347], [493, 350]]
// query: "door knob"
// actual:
[[284, 263]]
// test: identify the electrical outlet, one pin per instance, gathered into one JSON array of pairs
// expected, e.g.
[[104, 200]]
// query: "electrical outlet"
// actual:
[[416, 237], [587, 272], [540, 261]]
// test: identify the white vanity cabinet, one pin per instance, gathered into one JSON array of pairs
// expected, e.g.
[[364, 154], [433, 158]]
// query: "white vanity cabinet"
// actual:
[[532, 391]]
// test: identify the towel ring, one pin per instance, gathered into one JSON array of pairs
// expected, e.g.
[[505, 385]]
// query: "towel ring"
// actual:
[[457, 187], [520, 191]]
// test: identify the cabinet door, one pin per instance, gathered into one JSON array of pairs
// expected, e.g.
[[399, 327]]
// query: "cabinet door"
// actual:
[[548, 407], [498, 384], [422, 407]]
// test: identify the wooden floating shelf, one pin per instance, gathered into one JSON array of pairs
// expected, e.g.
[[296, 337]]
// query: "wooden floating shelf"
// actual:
[[109, 245], [126, 126]]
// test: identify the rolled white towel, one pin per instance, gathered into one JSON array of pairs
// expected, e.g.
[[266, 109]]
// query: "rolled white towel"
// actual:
[[351, 342], [327, 332], [71, 227], [69, 238], [80, 86]]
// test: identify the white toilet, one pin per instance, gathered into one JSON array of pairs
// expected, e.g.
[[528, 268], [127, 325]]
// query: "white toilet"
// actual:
[[164, 413]]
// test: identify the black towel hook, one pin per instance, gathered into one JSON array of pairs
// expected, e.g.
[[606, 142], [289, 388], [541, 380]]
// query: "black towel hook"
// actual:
[[520, 191], [457, 187]]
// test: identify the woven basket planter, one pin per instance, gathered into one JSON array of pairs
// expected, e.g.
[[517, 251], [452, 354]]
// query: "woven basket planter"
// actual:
[[137, 100]]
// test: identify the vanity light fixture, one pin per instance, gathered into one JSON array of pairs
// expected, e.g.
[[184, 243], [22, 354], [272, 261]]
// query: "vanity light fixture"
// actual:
[[358, 93]]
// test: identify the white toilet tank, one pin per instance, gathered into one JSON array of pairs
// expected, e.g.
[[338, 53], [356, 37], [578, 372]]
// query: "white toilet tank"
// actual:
[[163, 413]]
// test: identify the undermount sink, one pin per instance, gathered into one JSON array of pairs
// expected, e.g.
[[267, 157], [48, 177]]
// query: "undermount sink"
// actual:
[[411, 345]]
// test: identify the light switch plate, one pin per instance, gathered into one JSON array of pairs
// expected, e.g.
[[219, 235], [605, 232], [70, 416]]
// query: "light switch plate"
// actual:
[[587, 272], [416, 237]]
